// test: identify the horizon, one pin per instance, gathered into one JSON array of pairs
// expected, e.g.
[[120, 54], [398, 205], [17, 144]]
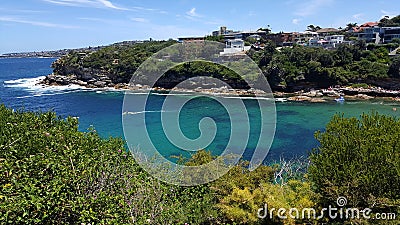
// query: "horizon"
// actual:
[[51, 25]]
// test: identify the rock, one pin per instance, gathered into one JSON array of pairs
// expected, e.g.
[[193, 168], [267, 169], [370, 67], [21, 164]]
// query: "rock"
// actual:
[[364, 96], [121, 86], [100, 84], [300, 98], [81, 83], [311, 94], [316, 100]]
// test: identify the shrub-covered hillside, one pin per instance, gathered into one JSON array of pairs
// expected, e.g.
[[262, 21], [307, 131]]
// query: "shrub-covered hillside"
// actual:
[[286, 69]]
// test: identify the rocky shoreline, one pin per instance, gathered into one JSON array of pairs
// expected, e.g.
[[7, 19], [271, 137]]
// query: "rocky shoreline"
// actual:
[[317, 95]]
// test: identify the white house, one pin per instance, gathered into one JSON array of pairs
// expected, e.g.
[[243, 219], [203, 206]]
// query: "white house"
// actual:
[[235, 46]]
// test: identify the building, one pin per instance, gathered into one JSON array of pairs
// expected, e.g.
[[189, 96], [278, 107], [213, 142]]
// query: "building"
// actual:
[[370, 34], [329, 41], [358, 29], [235, 47], [379, 35], [222, 31], [303, 38], [327, 31], [281, 39], [191, 39], [390, 33]]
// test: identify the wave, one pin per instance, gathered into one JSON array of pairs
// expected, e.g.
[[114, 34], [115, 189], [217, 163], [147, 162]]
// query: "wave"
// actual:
[[241, 97], [142, 112], [33, 85], [36, 89]]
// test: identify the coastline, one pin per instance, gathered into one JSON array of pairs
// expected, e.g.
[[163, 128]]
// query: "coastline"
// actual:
[[313, 95]]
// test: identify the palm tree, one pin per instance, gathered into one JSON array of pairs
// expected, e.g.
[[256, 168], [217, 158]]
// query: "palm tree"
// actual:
[[350, 26]]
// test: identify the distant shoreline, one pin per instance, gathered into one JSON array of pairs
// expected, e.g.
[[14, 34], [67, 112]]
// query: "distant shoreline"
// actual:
[[315, 96]]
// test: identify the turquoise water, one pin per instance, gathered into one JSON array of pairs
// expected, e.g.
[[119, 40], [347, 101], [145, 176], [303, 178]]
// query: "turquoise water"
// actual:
[[296, 122]]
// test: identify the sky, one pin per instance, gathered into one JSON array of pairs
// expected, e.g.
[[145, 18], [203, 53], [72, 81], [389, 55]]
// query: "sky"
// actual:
[[36, 25]]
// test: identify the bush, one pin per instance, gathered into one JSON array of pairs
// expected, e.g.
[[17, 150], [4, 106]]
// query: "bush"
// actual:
[[50, 173], [360, 85], [360, 160]]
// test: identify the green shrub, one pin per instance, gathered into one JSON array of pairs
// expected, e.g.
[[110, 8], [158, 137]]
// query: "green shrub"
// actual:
[[360, 160], [360, 85], [50, 173]]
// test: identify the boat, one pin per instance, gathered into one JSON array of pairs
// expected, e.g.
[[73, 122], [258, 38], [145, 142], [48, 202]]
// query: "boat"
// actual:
[[280, 99], [340, 99]]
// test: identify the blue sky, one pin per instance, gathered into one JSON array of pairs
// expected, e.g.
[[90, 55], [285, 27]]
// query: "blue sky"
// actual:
[[33, 25]]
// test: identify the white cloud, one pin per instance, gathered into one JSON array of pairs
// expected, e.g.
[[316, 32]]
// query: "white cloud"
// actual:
[[311, 7], [358, 16], [139, 8], [35, 23], [140, 20], [21, 10], [296, 21], [192, 13], [87, 3], [387, 13]]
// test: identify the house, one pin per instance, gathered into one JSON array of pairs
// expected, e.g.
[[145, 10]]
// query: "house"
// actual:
[[358, 29], [370, 34], [303, 38], [329, 41], [327, 31], [390, 33], [235, 47], [222, 31], [281, 39], [379, 35], [191, 39]]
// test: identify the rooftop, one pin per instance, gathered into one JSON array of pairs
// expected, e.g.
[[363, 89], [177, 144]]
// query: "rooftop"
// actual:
[[327, 30]]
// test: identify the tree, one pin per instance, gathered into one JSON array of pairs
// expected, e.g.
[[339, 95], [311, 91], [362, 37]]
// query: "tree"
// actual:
[[390, 22], [267, 29], [313, 28], [394, 69], [219, 38], [360, 160], [350, 26], [51, 173]]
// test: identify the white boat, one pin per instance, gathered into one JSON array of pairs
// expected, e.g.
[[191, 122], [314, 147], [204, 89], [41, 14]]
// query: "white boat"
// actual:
[[280, 99], [340, 99]]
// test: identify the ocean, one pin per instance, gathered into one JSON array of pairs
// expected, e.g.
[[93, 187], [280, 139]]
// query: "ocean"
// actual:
[[296, 121]]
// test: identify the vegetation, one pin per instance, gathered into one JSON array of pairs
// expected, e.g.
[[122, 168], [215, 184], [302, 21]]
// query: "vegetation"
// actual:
[[285, 69], [319, 67], [53, 174], [50, 173], [360, 160], [118, 61], [387, 22]]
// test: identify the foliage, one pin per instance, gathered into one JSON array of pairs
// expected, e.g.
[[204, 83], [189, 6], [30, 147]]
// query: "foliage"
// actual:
[[360, 160], [119, 61], [218, 38], [53, 174], [241, 193], [360, 85], [187, 70], [313, 28], [323, 68], [285, 68], [394, 69], [393, 22], [50, 173]]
